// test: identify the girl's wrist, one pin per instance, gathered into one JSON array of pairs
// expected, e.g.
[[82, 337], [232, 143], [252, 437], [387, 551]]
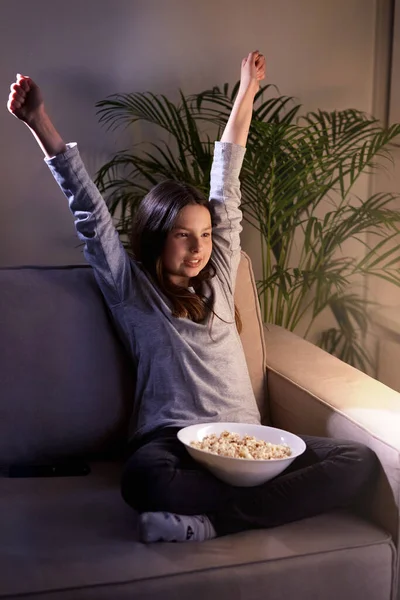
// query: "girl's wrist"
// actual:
[[38, 120], [45, 134], [248, 89]]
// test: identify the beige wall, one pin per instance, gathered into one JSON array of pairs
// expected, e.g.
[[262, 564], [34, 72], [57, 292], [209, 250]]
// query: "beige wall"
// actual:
[[388, 109], [81, 50], [384, 338]]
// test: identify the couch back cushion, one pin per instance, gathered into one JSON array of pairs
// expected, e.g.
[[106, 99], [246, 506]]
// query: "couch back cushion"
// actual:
[[252, 335], [64, 380], [66, 384]]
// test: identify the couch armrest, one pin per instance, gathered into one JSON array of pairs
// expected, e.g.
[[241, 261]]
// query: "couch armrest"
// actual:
[[312, 392]]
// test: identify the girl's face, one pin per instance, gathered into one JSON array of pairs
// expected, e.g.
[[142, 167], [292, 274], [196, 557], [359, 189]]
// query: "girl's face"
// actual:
[[188, 246]]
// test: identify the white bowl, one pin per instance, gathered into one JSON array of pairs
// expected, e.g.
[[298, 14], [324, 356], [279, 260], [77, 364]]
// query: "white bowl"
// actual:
[[242, 472]]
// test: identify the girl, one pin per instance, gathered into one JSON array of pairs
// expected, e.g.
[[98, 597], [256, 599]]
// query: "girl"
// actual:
[[173, 307]]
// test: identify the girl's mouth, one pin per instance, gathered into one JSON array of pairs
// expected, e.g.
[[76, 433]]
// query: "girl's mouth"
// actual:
[[192, 263]]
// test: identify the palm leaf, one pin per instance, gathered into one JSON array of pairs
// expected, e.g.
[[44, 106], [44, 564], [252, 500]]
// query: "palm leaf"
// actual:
[[293, 164]]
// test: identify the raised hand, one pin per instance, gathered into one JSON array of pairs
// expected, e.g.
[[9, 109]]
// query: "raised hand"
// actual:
[[25, 101], [252, 71]]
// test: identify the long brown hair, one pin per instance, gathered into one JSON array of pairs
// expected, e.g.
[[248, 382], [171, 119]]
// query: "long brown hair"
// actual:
[[154, 219]]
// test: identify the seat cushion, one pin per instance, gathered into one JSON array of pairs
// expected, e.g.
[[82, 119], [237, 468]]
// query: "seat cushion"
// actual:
[[73, 538]]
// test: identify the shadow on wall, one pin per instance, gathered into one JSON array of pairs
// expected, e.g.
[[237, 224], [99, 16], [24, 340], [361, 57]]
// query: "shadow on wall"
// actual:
[[70, 96]]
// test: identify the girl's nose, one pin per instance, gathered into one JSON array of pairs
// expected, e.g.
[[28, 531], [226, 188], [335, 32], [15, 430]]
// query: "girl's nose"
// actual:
[[195, 246]]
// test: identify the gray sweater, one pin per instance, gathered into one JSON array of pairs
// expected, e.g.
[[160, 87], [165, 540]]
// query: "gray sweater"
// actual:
[[183, 376]]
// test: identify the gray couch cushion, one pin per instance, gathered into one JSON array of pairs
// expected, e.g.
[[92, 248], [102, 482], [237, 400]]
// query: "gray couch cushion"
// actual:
[[75, 539], [64, 381]]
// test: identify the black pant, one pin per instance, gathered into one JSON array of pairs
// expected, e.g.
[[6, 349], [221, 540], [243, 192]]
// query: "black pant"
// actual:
[[160, 475]]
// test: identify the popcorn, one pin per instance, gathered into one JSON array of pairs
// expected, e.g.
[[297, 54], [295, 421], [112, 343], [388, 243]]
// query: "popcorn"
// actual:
[[234, 445]]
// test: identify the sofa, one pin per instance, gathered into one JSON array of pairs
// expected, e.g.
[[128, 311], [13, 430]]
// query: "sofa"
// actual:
[[66, 388]]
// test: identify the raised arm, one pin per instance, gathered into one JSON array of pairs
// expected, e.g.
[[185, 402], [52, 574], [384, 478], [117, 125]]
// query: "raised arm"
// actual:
[[103, 249], [238, 125], [228, 157]]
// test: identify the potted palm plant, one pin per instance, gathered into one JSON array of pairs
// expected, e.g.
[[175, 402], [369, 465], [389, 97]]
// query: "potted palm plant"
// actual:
[[298, 181]]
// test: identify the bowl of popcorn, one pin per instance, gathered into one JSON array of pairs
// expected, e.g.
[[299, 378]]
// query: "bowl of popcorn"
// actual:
[[241, 454]]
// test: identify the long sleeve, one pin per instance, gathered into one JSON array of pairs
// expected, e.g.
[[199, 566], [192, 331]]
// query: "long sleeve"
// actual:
[[103, 249], [225, 199]]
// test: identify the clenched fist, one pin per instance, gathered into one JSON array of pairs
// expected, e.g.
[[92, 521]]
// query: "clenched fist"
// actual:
[[25, 101], [252, 71]]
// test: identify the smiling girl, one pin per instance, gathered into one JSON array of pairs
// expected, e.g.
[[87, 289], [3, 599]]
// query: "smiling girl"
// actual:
[[166, 299]]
